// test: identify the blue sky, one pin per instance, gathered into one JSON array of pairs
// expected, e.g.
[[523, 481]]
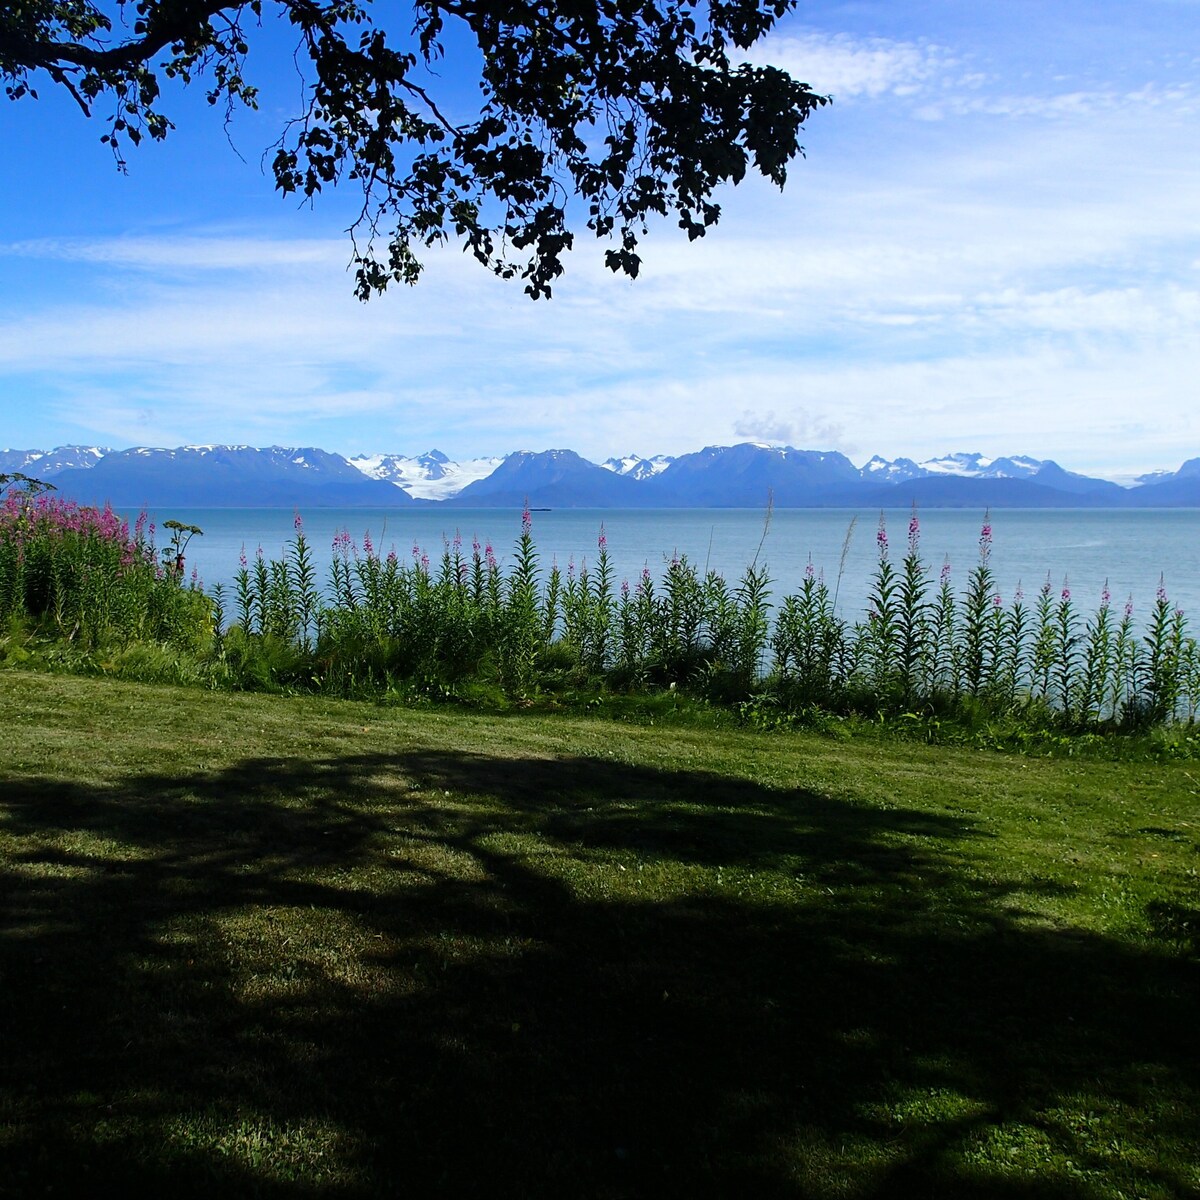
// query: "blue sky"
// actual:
[[993, 244]]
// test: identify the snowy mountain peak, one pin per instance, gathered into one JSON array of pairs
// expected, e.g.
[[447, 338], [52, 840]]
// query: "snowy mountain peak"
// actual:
[[428, 476], [45, 464], [979, 466], [637, 467], [897, 470]]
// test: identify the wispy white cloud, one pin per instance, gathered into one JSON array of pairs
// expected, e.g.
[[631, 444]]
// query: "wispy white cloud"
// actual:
[[939, 82], [182, 253], [1180, 100], [848, 68], [239, 355]]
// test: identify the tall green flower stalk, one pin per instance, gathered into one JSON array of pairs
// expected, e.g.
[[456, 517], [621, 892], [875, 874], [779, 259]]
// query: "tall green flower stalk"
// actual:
[[1066, 650], [303, 580], [522, 618], [977, 609], [1044, 643], [260, 591], [1013, 653], [639, 617], [600, 610], [551, 603], [882, 633], [1099, 658], [1123, 683], [944, 674], [1160, 669], [914, 653], [242, 590]]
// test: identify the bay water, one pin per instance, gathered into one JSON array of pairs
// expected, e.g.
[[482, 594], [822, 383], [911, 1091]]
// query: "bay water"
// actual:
[[1081, 549]]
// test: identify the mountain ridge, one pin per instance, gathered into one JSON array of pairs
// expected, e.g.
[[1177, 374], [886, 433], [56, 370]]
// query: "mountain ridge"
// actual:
[[741, 475]]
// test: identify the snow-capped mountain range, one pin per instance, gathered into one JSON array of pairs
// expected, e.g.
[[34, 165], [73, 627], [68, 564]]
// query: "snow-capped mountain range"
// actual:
[[964, 466], [717, 476], [430, 476]]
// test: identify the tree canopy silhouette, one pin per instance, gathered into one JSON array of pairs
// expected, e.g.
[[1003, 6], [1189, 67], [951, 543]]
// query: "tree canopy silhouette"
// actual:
[[603, 111]]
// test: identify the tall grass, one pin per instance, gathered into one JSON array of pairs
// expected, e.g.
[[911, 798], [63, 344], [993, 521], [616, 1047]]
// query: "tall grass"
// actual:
[[460, 625]]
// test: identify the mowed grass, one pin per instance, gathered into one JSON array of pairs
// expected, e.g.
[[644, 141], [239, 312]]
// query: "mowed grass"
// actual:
[[298, 947]]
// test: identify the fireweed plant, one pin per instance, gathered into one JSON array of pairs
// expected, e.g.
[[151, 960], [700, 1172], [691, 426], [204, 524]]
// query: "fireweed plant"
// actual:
[[80, 576], [464, 627], [412, 628]]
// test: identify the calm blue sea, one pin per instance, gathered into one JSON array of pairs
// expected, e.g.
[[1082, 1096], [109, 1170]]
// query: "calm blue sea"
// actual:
[[1129, 549]]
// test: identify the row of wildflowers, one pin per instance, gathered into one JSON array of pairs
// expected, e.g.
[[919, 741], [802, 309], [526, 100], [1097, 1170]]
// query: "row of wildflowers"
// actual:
[[379, 619], [922, 641]]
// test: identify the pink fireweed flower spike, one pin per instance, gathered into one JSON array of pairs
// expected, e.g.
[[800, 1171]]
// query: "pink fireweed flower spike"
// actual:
[[1019, 594], [1066, 589], [298, 522], [624, 589], [1161, 594], [985, 537], [1105, 595], [914, 534], [1129, 608], [242, 557], [809, 572], [526, 519], [368, 545], [996, 601], [881, 539], [945, 575], [602, 541]]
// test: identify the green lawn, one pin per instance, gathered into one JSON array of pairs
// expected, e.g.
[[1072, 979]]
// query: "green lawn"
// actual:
[[299, 947]]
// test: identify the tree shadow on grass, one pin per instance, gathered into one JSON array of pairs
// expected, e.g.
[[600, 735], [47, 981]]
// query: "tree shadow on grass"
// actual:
[[462, 974]]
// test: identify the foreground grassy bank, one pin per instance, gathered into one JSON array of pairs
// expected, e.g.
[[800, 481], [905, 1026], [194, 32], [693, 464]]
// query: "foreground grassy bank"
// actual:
[[292, 947]]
